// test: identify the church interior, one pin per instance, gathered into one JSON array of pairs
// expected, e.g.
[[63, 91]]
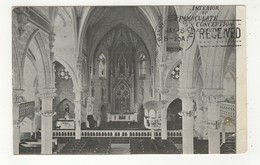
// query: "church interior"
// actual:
[[104, 80]]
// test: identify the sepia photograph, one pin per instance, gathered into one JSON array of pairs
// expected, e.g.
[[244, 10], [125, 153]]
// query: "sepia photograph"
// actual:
[[110, 80]]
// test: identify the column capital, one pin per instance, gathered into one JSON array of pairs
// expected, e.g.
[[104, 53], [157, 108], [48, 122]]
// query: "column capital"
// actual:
[[47, 93], [22, 19], [213, 124], [77, 90], [190, 113], [187, 92], [164, 102], [17, 123], [17, 96], [46, 113], [165, 90], [18, 91], [90, 99]]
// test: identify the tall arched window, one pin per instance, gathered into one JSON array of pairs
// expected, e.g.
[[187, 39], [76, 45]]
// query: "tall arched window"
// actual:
[[102, 66], [142, 65]]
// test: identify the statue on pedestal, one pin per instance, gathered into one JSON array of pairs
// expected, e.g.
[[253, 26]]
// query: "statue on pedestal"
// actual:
[[67, 112]]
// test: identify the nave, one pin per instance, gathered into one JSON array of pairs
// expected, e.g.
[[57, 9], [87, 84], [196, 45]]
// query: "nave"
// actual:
[[86, 77], [113, 146]]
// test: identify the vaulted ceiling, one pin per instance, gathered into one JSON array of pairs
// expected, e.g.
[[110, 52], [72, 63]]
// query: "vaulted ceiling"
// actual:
[[103, 19]]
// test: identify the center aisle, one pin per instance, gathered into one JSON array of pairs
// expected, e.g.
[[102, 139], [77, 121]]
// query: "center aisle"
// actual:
[[120, 148]]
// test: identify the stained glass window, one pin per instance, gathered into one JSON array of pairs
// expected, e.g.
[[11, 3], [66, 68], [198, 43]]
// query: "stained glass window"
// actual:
[[102, 66], [142, 66], [64, 74], [175, 74]]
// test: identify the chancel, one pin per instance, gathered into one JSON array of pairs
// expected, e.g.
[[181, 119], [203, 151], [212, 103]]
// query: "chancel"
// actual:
[[121, 80]]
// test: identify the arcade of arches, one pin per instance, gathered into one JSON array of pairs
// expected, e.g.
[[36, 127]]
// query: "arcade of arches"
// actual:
[[81, 69]]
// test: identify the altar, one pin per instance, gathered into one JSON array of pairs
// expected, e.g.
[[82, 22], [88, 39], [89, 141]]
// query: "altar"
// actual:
[[65, 124], [122, 117]]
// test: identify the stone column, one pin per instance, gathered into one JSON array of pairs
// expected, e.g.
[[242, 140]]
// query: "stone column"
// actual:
[[223, 134], [89, 109], [35, 124], [84, 107], [78, 107], [211, 98], [187, 96], [46, 96], [162, 94], [164, 120], [17, 100]]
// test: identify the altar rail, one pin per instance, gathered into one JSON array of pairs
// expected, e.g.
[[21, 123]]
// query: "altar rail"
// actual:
[[113, 133]]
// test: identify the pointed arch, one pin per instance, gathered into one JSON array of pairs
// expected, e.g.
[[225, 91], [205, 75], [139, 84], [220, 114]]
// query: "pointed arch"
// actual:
[[197, 72], [36, 82], [229, 85], [19, 72], [151, 13], [199, 80], [36, 51], [170, 73], [146, 34], [229, 66], [70, 69], [191, 65], [27, 45], [174, 120]]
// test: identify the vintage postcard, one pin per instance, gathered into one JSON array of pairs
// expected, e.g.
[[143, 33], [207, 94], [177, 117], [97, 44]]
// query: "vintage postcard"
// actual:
[[129, 79]]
